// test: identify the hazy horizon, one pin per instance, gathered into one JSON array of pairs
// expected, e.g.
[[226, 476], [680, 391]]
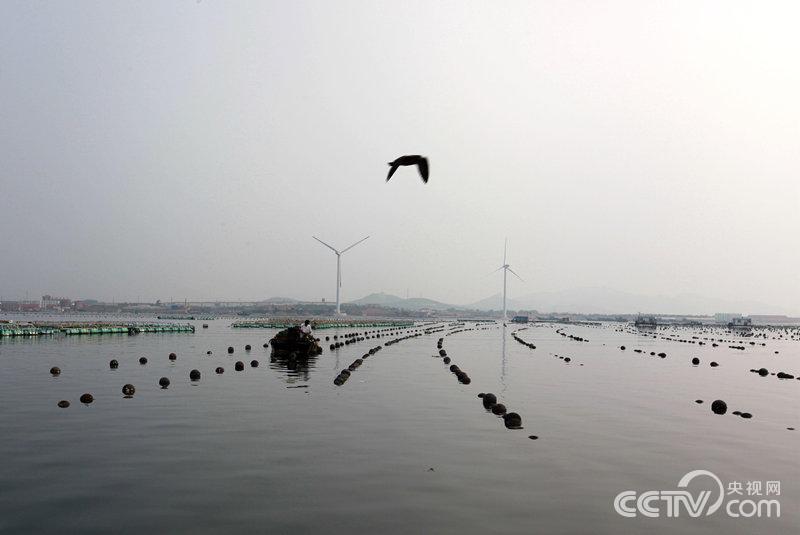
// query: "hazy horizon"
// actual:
[[171, 150]]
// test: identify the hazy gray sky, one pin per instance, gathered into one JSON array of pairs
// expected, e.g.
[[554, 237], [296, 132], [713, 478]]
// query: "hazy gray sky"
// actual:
[[182, 149]]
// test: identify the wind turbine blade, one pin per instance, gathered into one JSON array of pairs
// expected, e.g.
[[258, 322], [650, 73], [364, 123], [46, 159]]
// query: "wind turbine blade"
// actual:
[[495, 271], [326, 245], [520, 278], [356, 243]]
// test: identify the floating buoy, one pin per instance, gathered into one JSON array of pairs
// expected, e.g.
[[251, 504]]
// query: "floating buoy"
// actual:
[[173, 356], [220, 370], [442, 353], [746, 415], [63, 403], [194, 375], [713, 364], [763, 372], [205, 326], [113, 364], [512, 420], [239, 366], [142, 360], [499, 409], [128, 390], [533, 437], [254, 364], [622, 348], [489, 400], [55, 370], [698, 401], [163, 382], [247, 347], [208, 352], [695, 361], [86, 398], [446, 360], [719, 407], [230, 349]]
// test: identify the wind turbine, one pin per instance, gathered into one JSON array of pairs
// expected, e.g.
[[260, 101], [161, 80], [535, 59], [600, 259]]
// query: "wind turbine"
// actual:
[[339, 268], [506, 268]]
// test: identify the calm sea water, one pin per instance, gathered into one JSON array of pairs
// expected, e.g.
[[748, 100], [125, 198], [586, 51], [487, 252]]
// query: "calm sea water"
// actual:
[[402, 447]]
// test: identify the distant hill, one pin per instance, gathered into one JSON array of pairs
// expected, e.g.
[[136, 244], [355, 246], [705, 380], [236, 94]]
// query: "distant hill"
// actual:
[[393, 301]]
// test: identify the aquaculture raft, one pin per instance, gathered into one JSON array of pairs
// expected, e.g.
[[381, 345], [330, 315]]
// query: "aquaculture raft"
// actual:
[[7, 330], [318, 324]]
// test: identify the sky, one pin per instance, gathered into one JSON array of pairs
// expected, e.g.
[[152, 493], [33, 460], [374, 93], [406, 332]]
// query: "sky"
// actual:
[[190, 150]]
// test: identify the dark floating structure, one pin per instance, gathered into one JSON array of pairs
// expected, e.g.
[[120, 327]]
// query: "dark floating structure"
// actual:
[[86, 398], [254, 364], [143, 360], [247, 347], [220, 370], [128, 390], [55, 370], [695, 361], [173, 356], [719, 407], [163, 382], [239, 366], [230, 349], [113, 364], [194, 375], [292, 340], [713, 364], [63, 403]]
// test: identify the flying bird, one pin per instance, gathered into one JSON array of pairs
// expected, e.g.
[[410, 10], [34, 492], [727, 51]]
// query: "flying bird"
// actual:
[[420, 161]]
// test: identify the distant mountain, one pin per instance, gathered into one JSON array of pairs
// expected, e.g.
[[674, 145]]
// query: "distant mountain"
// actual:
[[598, 300], [393, 301]]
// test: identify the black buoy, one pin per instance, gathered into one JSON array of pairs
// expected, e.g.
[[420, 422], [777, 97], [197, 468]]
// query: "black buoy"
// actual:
[[622, 348], [512, 420], [239, 366], [746, 415], [499, 409], [763, 372], [113, 364], [128, 390], [446, 360], [533, 437], [713, 364], [55, 370], [194, 375], [442, 353], [208, 352], [719, 407], [489, 400], [87, 398], [698, 401], [254, 364], [220, 370], [63, 403], [173, 356], [247, 347], [695, 361], [230, 349], [163, 382], [142, 360]]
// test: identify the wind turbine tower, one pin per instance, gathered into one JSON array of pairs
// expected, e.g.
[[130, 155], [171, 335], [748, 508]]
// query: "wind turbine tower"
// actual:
[[506, 268], [339, 268]]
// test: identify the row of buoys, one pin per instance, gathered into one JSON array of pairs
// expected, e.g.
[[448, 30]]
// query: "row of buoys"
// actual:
[[511, 420], [763, 372]]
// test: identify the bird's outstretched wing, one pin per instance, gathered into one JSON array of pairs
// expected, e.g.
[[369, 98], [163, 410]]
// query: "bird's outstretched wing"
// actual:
[[422, 165], [391, 172]]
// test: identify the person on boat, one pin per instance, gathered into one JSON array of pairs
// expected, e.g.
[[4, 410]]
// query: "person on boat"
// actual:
[[305, 328]]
